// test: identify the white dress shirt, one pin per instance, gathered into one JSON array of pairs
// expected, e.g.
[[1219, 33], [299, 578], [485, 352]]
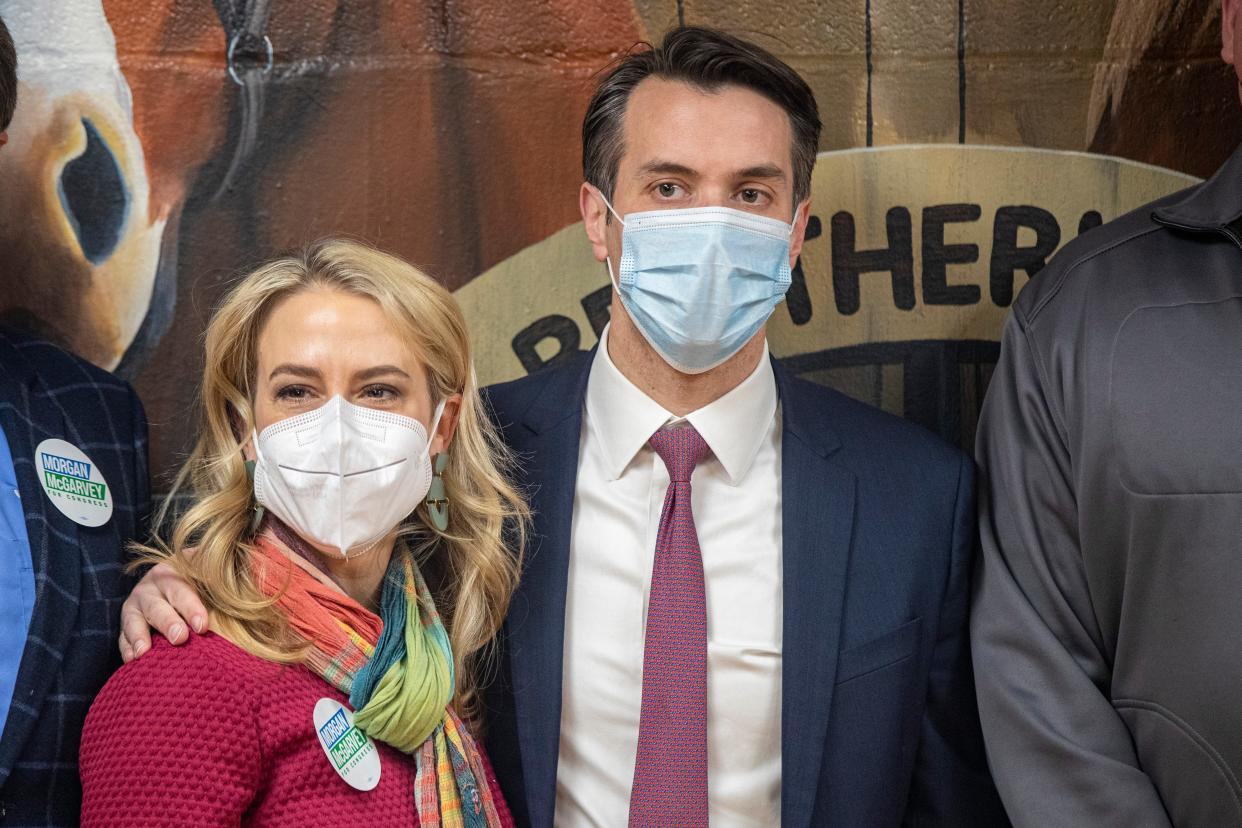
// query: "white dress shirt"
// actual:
[[736, 497]]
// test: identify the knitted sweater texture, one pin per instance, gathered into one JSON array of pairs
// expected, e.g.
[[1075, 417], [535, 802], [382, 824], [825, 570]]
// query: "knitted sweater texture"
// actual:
[[206, 734]]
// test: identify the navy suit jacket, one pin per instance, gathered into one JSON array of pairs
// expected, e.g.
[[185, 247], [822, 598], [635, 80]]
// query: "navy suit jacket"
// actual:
[[879, 725], [79, 583]]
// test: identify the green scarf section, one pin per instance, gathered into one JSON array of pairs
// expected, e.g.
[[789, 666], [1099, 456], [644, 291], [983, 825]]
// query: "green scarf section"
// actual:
[[401, 692]]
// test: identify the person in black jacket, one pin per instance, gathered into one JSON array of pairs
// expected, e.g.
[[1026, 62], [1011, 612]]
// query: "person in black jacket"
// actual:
[[1105, 621], [73, 493]]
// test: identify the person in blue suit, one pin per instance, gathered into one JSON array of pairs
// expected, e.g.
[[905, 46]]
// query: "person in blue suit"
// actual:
[[73, 493], [745, 599]]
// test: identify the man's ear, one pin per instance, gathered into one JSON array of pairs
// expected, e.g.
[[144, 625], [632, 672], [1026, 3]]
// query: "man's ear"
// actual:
[[4, 137], [594, 219], [802, 214]]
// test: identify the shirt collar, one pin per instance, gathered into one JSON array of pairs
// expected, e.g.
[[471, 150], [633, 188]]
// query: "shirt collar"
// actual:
[[734, 426]]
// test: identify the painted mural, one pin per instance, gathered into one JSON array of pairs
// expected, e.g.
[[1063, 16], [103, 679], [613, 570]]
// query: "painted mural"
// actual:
[[161, 147]]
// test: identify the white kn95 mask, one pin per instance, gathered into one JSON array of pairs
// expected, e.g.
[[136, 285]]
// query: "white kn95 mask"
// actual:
[[343, 475]]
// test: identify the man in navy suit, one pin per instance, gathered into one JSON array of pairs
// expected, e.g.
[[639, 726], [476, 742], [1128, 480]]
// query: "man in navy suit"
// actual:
[[73, 493], [745, 598]]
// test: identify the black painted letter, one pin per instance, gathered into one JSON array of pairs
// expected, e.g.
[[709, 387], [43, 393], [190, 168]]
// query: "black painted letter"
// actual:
[[598, 307], [561, 328], [1008, 258], [848, 264], [798, 299], [1089, 221], [937, 255]]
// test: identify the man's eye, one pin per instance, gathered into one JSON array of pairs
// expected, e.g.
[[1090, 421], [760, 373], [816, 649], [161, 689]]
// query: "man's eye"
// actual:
[[668, 190], [751, 196]]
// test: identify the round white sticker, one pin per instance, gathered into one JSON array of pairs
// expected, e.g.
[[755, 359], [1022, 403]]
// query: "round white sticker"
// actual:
[[351, 752], [73, 483]]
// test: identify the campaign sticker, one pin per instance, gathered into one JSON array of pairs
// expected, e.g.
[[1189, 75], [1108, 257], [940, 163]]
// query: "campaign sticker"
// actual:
[[73, 483], [351, 752]]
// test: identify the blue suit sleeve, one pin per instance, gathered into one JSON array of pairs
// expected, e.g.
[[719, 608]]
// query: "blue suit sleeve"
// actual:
[[952, 786]]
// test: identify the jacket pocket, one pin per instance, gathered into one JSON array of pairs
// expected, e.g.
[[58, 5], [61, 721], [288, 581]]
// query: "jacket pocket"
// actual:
[[880, 652], [1194, 781], [1175, 389]]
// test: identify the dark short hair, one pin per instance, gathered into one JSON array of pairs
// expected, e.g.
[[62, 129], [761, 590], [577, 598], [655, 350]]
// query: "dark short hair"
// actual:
[[8, 77], [707, 59]]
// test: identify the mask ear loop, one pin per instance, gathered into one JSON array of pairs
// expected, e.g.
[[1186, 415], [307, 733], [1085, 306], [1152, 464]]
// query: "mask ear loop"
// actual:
[[794, 224], [435, 421], [608, 259], [608, 204]]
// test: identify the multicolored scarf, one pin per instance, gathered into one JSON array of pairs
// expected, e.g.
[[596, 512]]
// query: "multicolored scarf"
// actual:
[[397, 669]]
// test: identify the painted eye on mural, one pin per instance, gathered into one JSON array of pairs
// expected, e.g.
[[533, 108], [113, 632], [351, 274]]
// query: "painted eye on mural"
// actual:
[[95, 197]]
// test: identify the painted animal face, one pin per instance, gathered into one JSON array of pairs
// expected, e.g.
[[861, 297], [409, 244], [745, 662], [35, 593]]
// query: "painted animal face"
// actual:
[[80, 242]]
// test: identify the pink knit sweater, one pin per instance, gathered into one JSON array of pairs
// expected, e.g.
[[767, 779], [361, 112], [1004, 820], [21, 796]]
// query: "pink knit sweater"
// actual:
[[206, 734]]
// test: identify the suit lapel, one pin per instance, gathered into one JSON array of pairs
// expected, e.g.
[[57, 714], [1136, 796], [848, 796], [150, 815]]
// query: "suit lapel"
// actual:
[[536, 625], [29, 415], [817, 526]]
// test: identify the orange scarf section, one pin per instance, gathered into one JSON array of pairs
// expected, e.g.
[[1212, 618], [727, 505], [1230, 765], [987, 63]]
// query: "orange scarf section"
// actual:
[[318, 613]]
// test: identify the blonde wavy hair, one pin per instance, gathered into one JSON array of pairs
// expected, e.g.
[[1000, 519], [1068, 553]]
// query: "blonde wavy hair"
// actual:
[[479, 557]]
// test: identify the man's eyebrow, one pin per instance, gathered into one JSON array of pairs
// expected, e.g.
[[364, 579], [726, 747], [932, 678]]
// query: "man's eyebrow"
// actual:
[[297, 370], [658, 167], [380, 371], [763, 172]]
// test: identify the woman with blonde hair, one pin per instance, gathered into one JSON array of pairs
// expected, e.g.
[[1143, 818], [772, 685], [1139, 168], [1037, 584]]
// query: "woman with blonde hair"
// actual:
[[343, 451]]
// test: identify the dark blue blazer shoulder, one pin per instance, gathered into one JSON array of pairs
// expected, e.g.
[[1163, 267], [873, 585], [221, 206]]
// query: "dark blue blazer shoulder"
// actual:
[[79, 571]]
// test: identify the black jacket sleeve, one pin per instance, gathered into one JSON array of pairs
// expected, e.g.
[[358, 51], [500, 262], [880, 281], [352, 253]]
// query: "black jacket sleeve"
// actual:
[[1059, 752]]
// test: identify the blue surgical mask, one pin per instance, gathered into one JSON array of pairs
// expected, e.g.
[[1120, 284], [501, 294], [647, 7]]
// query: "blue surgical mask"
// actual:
[[699, 283]]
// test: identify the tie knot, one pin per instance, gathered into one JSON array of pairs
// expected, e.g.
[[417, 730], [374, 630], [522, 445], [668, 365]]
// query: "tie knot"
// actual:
[[681, 449]]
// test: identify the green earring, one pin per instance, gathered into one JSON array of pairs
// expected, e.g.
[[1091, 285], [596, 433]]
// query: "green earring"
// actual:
[[437, 500], [259, 512]]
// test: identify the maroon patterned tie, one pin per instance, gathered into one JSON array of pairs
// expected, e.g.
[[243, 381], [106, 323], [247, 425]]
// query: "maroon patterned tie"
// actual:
[[670, 774]]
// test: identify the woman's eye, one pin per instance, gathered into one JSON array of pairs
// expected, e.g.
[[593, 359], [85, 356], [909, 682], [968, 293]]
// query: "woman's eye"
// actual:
[[379, 392], [293, 392]]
